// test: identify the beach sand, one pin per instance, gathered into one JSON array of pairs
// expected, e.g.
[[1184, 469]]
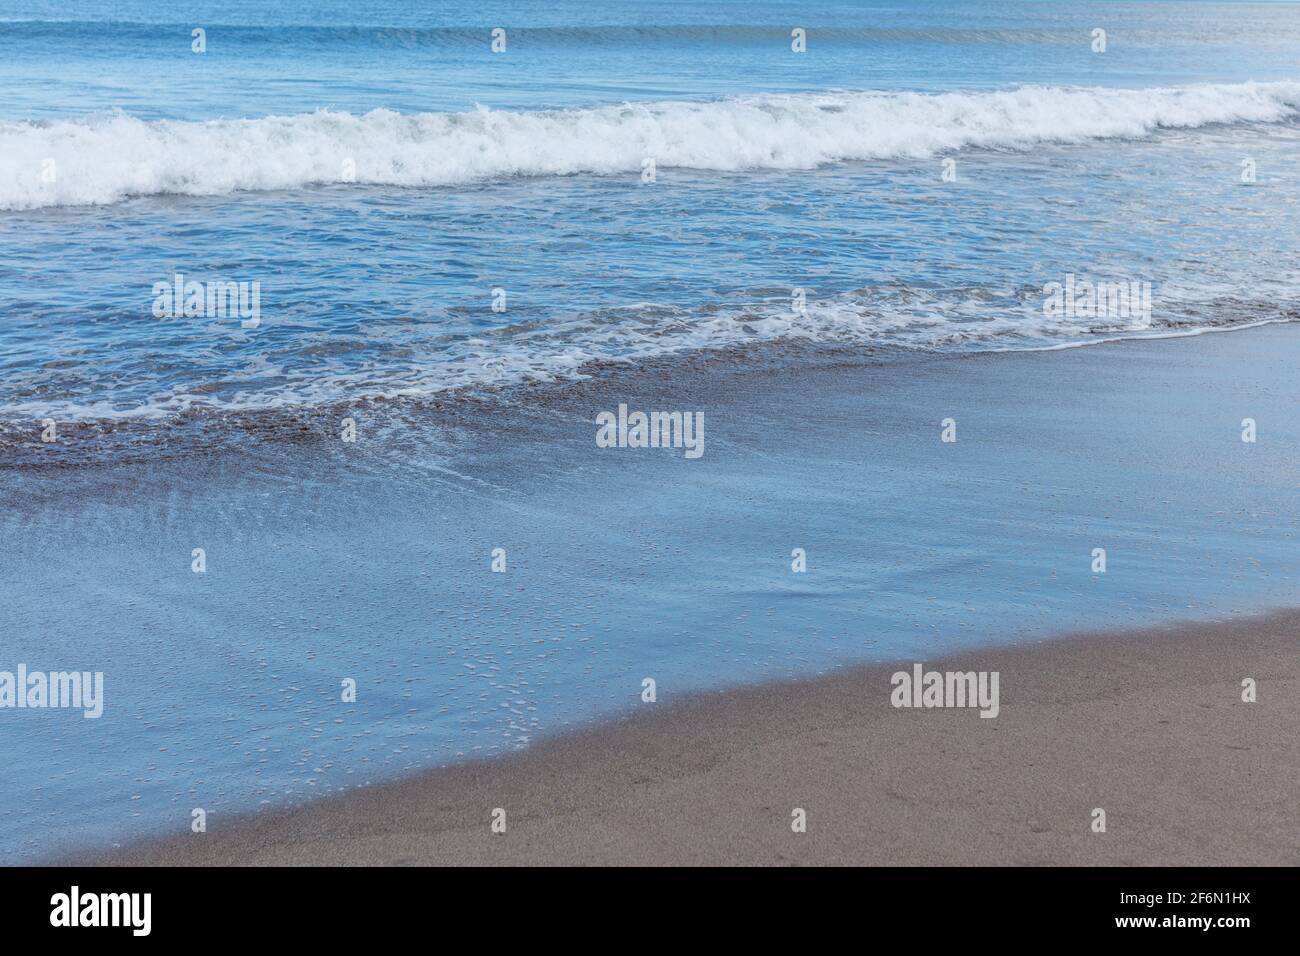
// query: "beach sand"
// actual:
[[370, 561], [1149, 726]]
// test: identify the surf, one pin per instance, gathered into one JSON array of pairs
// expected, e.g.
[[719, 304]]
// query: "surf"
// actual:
[[108, 158]]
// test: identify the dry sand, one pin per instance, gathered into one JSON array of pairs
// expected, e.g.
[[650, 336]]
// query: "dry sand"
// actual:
[[1150, 726]]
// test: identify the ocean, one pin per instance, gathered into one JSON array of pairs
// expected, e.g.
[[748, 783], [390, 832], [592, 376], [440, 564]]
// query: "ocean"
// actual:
[[468, 252]]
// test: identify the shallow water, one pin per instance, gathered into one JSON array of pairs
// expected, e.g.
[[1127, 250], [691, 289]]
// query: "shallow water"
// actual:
[[371, 561]]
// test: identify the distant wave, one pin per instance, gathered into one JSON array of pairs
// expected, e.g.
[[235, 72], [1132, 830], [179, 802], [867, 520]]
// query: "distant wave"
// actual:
[[108, 158], [244, 37]]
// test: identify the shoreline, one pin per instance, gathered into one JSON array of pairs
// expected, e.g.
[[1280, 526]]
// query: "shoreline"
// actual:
[[1148, 725], [372, 563], [213, 430]]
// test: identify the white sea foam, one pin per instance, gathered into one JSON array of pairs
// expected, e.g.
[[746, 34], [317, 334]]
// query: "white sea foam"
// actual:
[[904, 319], [107, 158]]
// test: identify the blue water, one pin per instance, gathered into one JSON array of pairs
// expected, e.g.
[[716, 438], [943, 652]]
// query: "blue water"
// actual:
[[522, 171], [378, 171]]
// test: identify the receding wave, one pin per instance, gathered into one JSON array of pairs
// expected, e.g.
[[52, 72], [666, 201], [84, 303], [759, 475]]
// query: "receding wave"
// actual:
[[243, 37], [108, 158], [405, 366], [307, 411]]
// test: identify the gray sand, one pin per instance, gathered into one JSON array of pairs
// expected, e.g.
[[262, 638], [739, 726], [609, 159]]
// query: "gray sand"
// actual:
[[1149, 726], [223, 689]]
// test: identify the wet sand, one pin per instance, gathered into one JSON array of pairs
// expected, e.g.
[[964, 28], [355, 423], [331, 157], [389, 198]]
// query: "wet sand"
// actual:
[[370, 561], [1148, 725]]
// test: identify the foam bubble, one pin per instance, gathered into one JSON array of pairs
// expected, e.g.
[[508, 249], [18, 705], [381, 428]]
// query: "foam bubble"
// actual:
[[107, 158]]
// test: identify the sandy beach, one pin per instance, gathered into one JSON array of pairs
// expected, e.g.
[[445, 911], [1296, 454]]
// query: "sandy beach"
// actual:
[[1149, 726], [522, 690]]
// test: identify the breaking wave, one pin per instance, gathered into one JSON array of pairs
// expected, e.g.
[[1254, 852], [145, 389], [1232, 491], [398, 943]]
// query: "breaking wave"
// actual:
[[105, 159]]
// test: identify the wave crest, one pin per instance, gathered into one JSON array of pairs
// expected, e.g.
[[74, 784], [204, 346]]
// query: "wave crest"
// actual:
[[108, 158]]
